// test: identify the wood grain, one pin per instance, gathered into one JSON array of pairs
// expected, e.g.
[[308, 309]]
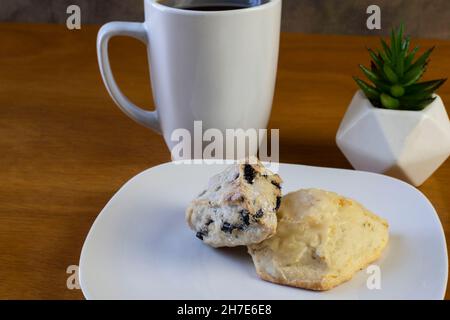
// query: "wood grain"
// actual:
[[65, 148]]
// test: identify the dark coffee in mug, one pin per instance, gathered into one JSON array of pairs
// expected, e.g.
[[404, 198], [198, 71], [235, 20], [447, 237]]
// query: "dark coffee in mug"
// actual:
[[213, 8], [212, 5]]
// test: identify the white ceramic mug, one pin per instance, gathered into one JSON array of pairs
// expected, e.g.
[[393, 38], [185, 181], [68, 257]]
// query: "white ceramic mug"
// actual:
[[218, 67]]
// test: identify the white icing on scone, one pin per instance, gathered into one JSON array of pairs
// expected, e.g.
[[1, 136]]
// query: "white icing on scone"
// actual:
[[322, 239]]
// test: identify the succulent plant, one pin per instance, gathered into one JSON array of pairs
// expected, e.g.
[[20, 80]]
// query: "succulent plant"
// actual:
[[394, 75]]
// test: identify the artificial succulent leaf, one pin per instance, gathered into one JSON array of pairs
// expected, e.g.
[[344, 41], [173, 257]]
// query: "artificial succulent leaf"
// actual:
[[422, 60], [390, 74], [389, 102], [405, 45], [416, 96], [415, 105], [427, 86], [369, 74], [399, 40], [383, 80], [386, 48], [413, 75], [393, 47], [369, 91], [400, 67], [386, 59], [397, 90], [375, 58], [410, 57]]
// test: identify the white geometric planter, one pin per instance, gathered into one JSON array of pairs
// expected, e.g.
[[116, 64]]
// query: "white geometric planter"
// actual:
[[409, 145]]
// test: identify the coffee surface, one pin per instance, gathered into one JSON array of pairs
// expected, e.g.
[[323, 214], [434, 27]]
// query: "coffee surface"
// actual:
[[213, 8]]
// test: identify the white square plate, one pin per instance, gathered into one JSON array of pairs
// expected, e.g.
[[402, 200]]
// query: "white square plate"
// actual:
[[140, 246]]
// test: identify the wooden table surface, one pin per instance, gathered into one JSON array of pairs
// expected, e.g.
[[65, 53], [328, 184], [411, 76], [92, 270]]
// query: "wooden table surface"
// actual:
[[65, 148]]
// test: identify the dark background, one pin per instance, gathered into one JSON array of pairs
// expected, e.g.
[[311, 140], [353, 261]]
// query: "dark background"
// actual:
[[423, 18]]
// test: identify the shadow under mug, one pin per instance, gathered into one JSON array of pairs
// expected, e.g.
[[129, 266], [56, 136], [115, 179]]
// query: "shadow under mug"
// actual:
[[217, 67]]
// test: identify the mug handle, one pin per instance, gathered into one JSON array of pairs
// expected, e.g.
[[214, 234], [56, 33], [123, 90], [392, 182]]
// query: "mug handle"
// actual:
[[138, 31]]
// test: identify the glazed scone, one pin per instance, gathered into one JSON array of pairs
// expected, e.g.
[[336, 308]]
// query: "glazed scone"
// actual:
[[238, 207], [322, 239]]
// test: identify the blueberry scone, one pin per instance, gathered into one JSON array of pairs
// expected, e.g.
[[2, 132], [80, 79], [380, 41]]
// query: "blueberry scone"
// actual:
[[238, 207], [322, 239]]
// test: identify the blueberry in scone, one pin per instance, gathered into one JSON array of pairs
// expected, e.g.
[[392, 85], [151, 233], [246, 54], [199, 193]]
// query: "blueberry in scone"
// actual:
[[238, 207]]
